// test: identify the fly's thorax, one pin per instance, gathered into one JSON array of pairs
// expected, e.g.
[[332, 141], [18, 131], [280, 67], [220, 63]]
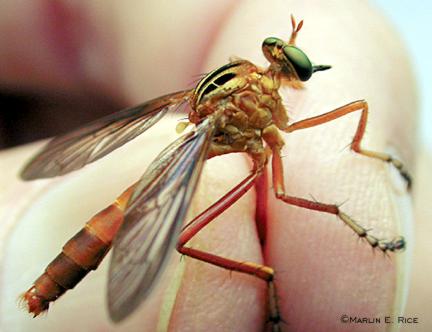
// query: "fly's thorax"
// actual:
[[246, 101], [258, 104], [238, 86], [221, 83]]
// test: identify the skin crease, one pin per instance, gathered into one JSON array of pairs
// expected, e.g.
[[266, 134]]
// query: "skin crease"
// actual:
[[323, 271]]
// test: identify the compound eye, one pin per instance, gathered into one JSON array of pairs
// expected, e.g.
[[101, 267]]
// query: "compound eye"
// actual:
[[271, 41], [299, 61], [271, 47]]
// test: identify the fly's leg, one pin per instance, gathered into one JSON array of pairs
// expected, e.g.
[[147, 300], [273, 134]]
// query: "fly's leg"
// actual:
[[81, 254], [261, 271], [261, 209], [395, 244], [359, 105]]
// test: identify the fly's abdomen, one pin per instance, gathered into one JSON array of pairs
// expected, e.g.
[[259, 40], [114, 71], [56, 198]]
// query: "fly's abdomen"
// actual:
[[81, 254]]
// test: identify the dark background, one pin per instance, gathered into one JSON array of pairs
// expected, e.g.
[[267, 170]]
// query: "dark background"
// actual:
[[26, 116]]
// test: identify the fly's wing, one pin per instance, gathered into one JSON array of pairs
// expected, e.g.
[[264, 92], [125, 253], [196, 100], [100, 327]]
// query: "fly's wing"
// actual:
[[153, 220], [72, 151]]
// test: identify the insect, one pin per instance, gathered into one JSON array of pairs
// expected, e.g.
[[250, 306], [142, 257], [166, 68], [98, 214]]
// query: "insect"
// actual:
[[235, 108]]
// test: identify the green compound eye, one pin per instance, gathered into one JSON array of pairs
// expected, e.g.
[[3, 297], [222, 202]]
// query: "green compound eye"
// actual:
[[299, 61], [271, 41]]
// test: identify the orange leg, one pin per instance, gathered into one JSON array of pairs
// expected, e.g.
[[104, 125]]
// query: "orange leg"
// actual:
[[261, 187], [395, 244], [359, 105], [261, 271]]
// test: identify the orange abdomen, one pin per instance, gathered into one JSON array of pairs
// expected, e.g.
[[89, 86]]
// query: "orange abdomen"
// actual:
[[81, 254]]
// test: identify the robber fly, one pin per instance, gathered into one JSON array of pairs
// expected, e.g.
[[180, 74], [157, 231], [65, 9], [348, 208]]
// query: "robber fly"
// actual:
[[235, 108]]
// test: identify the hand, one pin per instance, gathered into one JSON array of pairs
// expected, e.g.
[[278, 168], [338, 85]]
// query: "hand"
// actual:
[[322, 270]]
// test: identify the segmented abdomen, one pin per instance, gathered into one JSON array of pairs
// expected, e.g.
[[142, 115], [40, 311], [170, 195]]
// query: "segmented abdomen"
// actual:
[[81, 254]]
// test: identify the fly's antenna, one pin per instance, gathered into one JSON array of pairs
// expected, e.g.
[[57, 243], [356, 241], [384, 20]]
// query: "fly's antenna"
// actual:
[[295, 29]]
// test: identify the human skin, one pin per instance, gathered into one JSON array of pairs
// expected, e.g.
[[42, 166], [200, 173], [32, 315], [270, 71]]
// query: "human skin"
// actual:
[[322, 270]]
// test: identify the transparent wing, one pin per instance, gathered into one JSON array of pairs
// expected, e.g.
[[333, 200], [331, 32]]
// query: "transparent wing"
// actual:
[[153, 220], [72, 151]]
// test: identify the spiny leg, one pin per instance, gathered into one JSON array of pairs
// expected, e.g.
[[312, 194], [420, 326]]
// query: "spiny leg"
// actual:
[[395, 244], [261, 271], [359, 105]]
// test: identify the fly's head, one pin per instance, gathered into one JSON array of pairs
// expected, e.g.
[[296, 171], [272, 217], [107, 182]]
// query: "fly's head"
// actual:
[[288, 59]]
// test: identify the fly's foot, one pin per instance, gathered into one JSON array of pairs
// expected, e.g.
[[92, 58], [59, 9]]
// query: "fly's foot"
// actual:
[[394, 245], [402, 171], [274, 317]]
